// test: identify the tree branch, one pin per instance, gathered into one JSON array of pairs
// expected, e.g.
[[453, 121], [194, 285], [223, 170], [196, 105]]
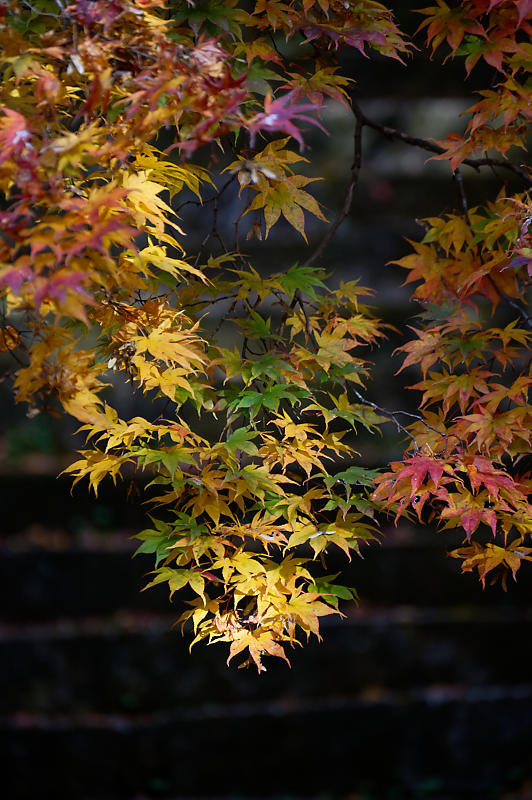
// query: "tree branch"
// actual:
[[348, 199], [431, 147], [392, 415], [511, 302]]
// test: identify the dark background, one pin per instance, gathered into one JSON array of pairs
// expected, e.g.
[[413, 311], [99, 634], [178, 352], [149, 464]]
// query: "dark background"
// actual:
[[423, 691]]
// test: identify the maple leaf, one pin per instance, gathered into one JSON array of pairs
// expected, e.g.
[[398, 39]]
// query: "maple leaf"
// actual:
[[272, 163], [450, 23], [457, 148], [257, 642], [300, 278], [356, 36], [156, 256], [96, 465], [93, 278], [278, 115], [14, 134], [10, 338], [323, 82], [425, 351], [170, 345], [307, 609], [16, 276], [57, 286], [286, 198], [482, 472], [450, 389], [488, 557]]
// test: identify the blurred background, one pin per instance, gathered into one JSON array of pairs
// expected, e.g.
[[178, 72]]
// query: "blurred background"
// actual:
[[422, 691]]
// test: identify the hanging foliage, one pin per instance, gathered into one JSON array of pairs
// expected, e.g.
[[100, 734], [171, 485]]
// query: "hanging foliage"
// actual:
[[106, 112]]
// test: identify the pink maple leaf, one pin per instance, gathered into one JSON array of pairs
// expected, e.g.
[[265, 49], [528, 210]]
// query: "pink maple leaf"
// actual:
[[279, 114], [15, 277], [520, 261]]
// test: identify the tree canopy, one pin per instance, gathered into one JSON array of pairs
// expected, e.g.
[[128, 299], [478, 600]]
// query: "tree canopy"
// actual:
[[108, 108]]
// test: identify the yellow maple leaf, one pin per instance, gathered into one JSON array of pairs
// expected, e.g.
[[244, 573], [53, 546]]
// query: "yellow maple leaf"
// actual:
[[285, 197]]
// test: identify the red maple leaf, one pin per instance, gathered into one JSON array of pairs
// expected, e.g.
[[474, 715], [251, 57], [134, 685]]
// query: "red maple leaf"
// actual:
[[14, 134], [524, 8]]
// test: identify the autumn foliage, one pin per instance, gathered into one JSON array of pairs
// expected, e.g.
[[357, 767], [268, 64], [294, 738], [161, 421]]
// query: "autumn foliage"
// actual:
[[95, 279]]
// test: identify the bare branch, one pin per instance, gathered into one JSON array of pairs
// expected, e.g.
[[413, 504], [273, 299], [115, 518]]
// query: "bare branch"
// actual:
[[39, 11], [463, 198], [512, 302], [431, 147], [392, 415], [348, 199]]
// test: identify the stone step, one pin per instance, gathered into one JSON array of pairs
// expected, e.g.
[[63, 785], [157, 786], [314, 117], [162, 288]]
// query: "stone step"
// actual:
[[40, 584], [454, 742], [139, 663], [43, 585], [50, 501]]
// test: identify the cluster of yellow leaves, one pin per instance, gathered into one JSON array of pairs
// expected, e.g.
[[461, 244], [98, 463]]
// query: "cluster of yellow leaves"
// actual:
[[96, 288], [262, 483], [278, 190]]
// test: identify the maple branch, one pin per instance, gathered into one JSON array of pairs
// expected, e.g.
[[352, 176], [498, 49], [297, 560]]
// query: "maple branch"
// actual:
[[310, 335], [348, 199], [463, 198], [202, 202], [274, 44], [431, 147], [237, 232], [214, 232], [510, 301], [38, 10], [210, 302], [224, 317], [11, 352], [393, 417]]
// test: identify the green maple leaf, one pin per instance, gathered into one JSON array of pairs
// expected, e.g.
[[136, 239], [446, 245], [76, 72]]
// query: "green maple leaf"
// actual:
[[304, 279], [242, 439]]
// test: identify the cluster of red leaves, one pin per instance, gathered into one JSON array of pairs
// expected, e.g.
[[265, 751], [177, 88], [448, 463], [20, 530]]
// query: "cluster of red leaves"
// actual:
[[496, 32], [469, 458]]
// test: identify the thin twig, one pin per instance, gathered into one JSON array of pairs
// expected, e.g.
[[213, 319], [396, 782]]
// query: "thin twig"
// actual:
[[224, 318], [348, 199], [459, 180], [210, 302], [209, 200], [10, 350], [214, 232], [38, 10], [393, 417], [512, 302], [310, 335]]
